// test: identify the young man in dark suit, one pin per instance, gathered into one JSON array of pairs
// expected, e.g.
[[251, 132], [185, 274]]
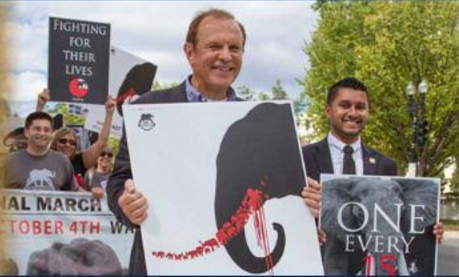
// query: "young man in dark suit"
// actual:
[[347, 110], [214, 48]]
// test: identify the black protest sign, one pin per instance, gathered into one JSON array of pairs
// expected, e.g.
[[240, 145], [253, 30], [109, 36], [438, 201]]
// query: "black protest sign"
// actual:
[[78, 61]]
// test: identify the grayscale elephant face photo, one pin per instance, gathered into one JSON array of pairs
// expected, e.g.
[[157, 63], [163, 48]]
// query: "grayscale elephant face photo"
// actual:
[[382, 222]]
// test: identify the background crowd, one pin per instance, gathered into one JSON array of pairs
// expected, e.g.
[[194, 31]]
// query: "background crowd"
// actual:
[[45, 155]]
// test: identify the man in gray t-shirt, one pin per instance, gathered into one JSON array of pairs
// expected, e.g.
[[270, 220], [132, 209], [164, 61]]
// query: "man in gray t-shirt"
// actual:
[[37, 167], [53, 171]]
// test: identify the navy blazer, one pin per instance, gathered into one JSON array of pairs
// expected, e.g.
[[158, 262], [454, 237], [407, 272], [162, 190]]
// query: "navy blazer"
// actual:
[[317, 160]]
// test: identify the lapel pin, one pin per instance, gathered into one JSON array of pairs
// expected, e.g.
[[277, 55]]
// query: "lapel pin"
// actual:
[[372, 160]]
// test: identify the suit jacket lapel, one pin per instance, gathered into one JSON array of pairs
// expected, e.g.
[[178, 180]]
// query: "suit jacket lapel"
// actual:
[[179, 93], [323, 157], [369, 161]]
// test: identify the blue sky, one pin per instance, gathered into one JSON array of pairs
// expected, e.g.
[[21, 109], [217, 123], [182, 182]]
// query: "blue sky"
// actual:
[[155, 31]]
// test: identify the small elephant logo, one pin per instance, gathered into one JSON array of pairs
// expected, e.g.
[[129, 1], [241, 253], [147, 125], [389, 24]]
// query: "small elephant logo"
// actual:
[[40, 179], [146, 122]]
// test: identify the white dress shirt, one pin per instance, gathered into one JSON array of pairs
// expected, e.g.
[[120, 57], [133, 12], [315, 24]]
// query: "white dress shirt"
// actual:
[[337, 154]]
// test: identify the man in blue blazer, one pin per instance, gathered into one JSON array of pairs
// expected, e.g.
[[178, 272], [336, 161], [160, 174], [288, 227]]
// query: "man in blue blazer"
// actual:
[[214, 48]]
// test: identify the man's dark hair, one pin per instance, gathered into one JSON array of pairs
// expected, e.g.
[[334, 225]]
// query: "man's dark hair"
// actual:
[[37, 115], [349, 82], [217, 13]]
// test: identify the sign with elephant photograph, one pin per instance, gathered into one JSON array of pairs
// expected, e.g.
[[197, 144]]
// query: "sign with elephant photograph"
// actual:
[[379, 225], [223, 183]]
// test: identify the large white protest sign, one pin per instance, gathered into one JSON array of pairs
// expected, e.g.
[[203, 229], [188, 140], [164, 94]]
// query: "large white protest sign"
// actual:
[[62, 233], [95, 121], [223, 182]]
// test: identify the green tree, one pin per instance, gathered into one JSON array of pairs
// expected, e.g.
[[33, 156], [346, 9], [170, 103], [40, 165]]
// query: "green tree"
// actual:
[[160, 86], [245, 93], [264, 96], [386, 45], [299, 104], [278, 91]]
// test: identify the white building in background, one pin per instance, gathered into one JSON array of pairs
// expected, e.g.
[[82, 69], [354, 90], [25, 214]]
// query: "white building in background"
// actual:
[[449, 173]]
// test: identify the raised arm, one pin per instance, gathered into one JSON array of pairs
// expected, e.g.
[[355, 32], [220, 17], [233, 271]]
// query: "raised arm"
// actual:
[[93, 152], [43, 98]]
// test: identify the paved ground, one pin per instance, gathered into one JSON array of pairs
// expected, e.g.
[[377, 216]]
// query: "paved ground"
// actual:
[[448, 254]]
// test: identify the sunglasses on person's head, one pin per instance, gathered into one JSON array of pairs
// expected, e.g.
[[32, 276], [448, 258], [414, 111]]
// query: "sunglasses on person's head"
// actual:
[[69, 141], [108, 154]]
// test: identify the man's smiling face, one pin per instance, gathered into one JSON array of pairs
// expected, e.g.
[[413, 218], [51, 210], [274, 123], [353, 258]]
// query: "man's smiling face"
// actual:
[[348, 114], [216, 57]]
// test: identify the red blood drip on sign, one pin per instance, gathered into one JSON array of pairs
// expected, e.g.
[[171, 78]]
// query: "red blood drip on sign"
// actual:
[[368, 266], [252, 204], [262, 235], [125, 95]]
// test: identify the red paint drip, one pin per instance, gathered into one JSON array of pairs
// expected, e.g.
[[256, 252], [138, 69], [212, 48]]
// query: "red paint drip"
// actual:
[[251, 204], [368, 265], [262, 237], [125, 95]]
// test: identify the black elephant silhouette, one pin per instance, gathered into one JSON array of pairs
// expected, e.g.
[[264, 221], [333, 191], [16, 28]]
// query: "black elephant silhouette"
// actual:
[[259, 152], [137, 81]]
